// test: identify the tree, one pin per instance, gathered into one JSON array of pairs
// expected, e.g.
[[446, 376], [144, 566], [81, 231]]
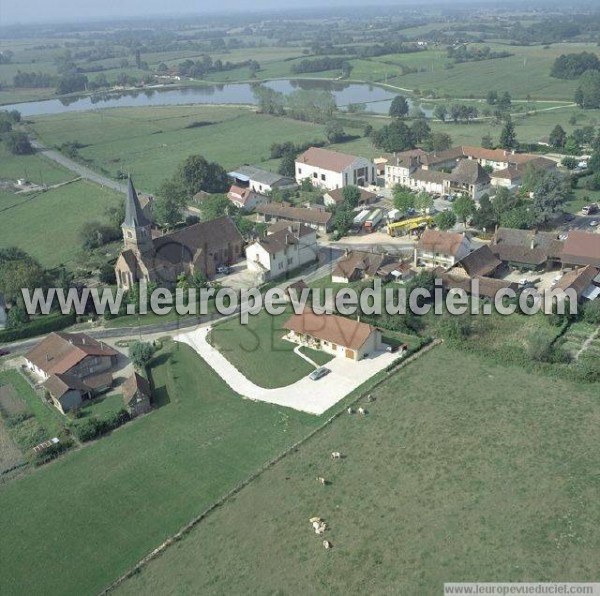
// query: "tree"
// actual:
[[508, 136], [196, 174], [399, 107], [569, 162], [287, 165], [17, 274], [162, 67], [572, 147], [71, 83], [334, 131], [591, 312], [440, 112], [438, 141], [504, 102], [558, 137], [492, 98], [216, 206], [550, 191], [269, 101], [520, 218], [357, 108], [485, 217], [351, 196], [423, 201], [464, 207], [487, 142], [395, 136], [588, 93], [342, 221], [17, 316], [420, 130], [140, 353], [18, 143], [107, 274], [445, 220], [404, 199], [171, 200]]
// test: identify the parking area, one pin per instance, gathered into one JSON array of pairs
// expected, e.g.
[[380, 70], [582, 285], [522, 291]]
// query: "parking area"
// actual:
[[541, 280]]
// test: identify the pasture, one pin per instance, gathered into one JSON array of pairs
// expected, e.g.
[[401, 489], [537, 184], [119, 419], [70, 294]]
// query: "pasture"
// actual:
[[149, 478], [47, 224], [441, 481]]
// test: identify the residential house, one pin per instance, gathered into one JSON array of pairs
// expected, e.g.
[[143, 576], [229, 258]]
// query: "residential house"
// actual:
[[468, 178], [527, 249], [580, 281], [580, 249], [246, 199], [319, 219], [334, 197], [397, 271], [137, 395], [286, 247], [480, 262], [331, 169], [477, 286], [333, 334], [357, 264], [511, 176], [72, 366], [436, 248], [429, 181], [398, 167], [260, 181], [201, 247]]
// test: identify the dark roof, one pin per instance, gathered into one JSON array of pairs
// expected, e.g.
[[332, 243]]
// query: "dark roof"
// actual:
[[529, 247], [366, 262], [480, 262], [300, 214], [429, 176], [334, 328], [247, 173], [488, 286], [581, 248], [59, 384], [469, 171], [441, 242], [134, 214], [337, 195], [60, 352], [283, 236], [132, 385]]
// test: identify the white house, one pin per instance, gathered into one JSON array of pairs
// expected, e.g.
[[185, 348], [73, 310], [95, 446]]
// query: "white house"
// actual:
[[286, 247], [261, 181], [331, 169], [436, 248], [245, 198]]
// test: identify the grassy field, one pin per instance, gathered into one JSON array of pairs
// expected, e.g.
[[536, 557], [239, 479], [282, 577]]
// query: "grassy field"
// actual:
[[442, 481], [47, 224], [149, 478], [35, 168], [151, 142], [259, 352]]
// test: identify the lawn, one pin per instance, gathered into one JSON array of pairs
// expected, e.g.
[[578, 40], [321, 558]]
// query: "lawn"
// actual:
[[47, 224], [35, 168], [442, 481], [258, 350], [109, 503]]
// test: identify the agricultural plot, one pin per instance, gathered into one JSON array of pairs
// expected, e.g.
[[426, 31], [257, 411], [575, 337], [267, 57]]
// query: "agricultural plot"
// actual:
[[10, 405], [582, 338]]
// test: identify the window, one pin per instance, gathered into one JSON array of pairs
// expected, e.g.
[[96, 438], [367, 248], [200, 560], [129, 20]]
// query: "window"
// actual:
[[280, 265], [299, 170], [315, 175], [289, 261], [322, 176], [129, 234]]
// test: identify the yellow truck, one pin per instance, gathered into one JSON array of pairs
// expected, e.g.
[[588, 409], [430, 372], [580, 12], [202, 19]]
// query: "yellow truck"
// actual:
[[406, 226]]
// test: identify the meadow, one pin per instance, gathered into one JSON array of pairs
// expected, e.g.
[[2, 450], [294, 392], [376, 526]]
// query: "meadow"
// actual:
[[150, 477], [442, 481]]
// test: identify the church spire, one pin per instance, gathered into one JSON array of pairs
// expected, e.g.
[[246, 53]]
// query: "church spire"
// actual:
[[134, 215]]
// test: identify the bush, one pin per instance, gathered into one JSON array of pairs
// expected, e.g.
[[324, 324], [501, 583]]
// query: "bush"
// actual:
[[95, 427], [43, 325]]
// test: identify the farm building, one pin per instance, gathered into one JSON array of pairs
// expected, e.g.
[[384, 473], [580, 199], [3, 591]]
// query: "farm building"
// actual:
[[319, 219], [246, 198], [527, 249], [580, 249], [137, 395], [336, 196], [260, 181], [333, 334]]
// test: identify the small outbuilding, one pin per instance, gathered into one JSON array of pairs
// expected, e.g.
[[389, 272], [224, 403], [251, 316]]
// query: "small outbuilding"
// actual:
[[137, 395]]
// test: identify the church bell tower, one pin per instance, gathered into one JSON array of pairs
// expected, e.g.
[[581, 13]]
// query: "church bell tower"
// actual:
[[136, 226]]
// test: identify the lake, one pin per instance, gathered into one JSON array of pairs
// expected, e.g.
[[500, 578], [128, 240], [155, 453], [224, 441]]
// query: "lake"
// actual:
[[377, 99]]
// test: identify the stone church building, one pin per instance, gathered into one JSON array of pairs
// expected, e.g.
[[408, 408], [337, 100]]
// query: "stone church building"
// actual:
[[201, 247]]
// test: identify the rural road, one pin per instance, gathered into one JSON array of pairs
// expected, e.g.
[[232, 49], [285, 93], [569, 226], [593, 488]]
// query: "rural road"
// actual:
[[78, 169]]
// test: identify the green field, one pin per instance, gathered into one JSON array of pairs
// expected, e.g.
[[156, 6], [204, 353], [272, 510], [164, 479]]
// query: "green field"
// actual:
[[47, 224], [34, 168], [259, 352], [149, 478], [150, 143], [442, 481]]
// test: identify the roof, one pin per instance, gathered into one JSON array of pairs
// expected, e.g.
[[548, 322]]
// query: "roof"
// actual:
[[134, 214], [402, 159], [246, 173], [479, 262], [60, 352], [284, 235], [525, 246], [581, 248], [334, 328], [469, 172], [337, 195], [59, 384], [437, 157], [487, 286], [480, 153], [132, 385], [509, 173], [447, 243], [243, 196], [300, 214], [429, 176], [326, 159], [358, 260], [579, 279]]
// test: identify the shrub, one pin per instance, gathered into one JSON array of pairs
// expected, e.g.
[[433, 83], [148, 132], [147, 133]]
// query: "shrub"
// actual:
[[40, 326]]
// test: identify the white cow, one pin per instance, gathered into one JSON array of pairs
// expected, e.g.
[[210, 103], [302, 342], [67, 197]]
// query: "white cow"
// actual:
[[327, 544], [336, 455], [362, 411], [321, 480]]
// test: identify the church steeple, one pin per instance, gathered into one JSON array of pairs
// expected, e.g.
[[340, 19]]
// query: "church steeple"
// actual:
[[136, 226]]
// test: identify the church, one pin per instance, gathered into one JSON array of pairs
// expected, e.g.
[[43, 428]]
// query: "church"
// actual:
[[201, 247]]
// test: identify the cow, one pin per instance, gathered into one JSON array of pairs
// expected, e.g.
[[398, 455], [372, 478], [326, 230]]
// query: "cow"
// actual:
[[336, 455], [327, 544], [322, 480]]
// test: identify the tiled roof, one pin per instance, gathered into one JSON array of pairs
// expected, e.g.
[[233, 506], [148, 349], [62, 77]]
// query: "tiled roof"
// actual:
[[326, 159], [480, 262], [581, 248], [284, 236], [300, 214], [132, 385], [440, 242]]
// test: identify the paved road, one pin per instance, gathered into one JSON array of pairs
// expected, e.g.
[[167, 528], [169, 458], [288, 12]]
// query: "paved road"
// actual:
[[78, 169]]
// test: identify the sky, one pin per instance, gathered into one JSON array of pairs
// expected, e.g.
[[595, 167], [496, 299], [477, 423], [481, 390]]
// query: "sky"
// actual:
[[30, 11]]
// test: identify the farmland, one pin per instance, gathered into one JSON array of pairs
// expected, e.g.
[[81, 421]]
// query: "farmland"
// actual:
[[437, 485]]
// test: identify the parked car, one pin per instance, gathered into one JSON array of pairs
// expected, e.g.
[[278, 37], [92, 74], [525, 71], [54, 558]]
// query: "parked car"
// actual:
[[224, 269], [4, 353], [316, 374], [593, 223]]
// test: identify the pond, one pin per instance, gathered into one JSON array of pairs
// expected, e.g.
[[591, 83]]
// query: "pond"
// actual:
[[377, 99]]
